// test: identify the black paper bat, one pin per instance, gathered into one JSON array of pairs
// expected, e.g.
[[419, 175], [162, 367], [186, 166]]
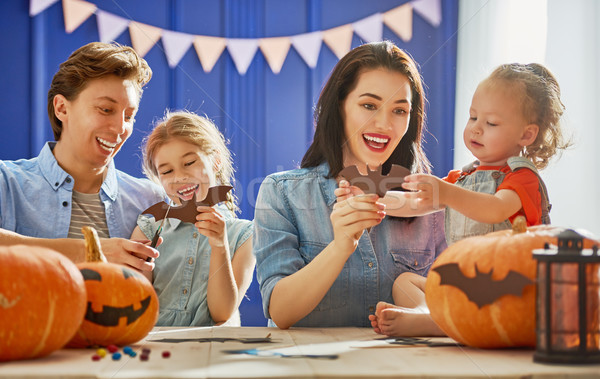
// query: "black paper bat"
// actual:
[[187, 212], [216, 339], [374, 181], [482, 289]]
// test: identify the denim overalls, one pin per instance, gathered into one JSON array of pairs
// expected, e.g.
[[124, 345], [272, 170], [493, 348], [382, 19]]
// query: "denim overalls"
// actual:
[[459, 226]]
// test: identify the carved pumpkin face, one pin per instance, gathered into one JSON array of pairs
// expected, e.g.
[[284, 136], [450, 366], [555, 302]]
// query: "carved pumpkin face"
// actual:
[[122, 306], [505, 318]]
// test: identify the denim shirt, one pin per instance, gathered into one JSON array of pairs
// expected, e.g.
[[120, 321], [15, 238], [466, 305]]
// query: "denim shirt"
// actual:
[[36, 197], [292, 226], [181, 271]]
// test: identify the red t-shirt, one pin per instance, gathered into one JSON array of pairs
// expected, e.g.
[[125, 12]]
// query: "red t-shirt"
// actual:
[[524, 182]]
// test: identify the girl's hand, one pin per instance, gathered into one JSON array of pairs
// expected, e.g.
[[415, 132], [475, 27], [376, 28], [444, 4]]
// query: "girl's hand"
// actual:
[[350, 217], [211, 224]]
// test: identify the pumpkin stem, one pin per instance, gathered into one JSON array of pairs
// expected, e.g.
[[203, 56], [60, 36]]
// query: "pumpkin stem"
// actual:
[[519, 225], [93, 251]]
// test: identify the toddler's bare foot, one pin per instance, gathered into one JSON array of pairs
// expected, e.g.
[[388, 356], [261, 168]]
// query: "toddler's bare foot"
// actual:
[[396, 321]]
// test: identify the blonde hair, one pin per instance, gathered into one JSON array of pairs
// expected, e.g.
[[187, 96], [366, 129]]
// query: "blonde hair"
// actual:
[[539, 95], [196, 130]]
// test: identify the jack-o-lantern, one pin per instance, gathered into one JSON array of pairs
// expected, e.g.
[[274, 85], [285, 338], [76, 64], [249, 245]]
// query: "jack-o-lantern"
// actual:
[[481, 290], [122, 306], [42, 301]]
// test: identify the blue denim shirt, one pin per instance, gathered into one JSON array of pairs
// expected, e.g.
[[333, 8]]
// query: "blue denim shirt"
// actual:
[[292, 226], [181, 271], [36, 194]]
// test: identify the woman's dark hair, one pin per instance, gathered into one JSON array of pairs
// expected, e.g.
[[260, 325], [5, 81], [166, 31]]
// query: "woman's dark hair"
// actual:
[[329, 136]]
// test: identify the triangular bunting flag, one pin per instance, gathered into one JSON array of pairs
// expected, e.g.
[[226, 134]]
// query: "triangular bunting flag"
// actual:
[[176, 44], [339, 39], [110, 26], [209, 50], [76, 12], [143, 36], [38, 6], [308, 45], [370, 29], [399, 20], [275, 50], [430, 10], [242, 51]]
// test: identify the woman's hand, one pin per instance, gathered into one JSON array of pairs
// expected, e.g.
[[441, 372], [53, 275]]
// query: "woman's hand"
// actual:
[[211, 224], [346, 191], [353, 215]]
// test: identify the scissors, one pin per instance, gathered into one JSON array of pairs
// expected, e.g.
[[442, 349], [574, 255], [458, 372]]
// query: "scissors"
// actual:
[[157, 234]]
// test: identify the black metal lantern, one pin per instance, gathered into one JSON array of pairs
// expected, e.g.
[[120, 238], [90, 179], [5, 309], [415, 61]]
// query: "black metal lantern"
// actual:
[[568, 301]]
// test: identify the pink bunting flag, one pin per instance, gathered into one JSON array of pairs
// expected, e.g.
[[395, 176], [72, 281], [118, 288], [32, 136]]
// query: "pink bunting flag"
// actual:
[[339, 39], [370, 29], [275, 51], [143, 36], [38, 6], [430, 10], [209, 49], [76, 12], [399, 20], [110, 26], [242, 52], [176, 44], [308, 45]]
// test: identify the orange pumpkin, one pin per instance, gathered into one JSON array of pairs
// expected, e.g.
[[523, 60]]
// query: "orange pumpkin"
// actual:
[[122, 306], [42, 301], [506, 320]]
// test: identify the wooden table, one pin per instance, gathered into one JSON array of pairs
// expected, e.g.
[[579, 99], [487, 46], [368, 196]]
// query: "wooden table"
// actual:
[[360, 355]]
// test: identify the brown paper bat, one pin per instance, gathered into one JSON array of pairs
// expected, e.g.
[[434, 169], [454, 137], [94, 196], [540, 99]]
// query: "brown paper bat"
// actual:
[[482, 289], [187, 212], [374, 182]]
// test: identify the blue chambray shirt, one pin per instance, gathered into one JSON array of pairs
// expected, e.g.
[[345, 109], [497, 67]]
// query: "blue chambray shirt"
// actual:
[[181, 271], [292, 226], [36, 197]]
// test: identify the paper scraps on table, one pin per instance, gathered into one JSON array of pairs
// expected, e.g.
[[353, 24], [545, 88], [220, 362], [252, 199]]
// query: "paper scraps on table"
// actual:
[[272, 353], [387, 342], [216, 339]]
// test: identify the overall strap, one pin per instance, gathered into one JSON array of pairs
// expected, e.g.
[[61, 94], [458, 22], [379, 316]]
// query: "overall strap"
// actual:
[[516, 163]]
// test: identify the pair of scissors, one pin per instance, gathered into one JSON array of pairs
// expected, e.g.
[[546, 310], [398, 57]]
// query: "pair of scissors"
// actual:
[[157, 234]]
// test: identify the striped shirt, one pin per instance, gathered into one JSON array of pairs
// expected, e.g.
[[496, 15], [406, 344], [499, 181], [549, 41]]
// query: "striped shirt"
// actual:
[[87, 209]]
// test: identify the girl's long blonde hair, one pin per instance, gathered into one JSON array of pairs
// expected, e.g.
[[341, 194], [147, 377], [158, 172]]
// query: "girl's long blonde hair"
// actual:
[[196, 130]]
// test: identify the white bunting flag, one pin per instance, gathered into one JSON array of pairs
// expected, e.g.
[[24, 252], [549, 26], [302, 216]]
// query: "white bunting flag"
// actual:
[[400, 21], [143, 36], [430, 10], [110, 26], [339, 39], [370, 29], [242, 52], [38, 6], [308, 45], [176, 44]]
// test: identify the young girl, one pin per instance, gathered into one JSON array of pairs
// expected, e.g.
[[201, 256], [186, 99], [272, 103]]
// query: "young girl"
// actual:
[[513, 130], [204, 269]]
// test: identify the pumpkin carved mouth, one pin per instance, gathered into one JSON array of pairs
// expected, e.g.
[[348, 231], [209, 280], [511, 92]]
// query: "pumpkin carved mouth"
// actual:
[[110, 316]]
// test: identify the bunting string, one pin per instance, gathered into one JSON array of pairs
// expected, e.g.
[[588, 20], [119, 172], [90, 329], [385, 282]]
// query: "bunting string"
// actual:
[[242, 50]]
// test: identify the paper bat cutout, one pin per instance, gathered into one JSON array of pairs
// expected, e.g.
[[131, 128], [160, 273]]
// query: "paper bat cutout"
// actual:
[[482, 289], [271, 353], [187, 212], [374, 181]]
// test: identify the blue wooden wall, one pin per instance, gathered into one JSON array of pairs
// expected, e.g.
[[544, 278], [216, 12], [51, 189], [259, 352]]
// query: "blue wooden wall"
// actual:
[[266, 117]]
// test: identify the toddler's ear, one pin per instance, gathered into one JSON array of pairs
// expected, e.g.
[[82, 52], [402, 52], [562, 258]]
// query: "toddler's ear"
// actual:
[[530, 133]]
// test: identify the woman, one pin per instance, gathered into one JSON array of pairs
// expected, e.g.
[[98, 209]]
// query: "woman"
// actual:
[[326, 263]]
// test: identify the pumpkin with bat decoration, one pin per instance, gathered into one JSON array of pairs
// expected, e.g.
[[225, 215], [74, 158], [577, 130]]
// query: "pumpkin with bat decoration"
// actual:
[[42, 301], [481, 290], [122, 306]]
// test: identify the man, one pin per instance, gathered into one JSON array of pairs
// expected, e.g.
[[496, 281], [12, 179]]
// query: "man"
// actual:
[[45, 200]]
